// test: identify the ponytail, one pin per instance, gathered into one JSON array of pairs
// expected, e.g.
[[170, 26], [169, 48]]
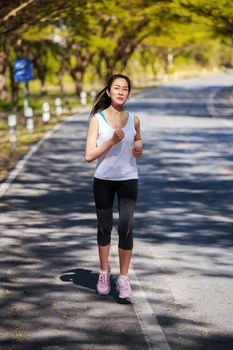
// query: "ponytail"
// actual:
[[102, 100]]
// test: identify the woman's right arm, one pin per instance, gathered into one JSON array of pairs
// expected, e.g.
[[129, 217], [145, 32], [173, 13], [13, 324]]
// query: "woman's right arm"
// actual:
[[92, 151]]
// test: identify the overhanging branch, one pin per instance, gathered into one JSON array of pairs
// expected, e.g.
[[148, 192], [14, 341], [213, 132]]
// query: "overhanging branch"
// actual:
[[17, 9]]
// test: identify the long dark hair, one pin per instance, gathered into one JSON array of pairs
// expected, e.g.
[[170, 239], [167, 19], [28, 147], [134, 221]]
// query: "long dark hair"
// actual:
[[102, 100]]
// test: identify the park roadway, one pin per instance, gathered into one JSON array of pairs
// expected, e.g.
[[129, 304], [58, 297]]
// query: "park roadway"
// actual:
[[182, 265], [184, 220]]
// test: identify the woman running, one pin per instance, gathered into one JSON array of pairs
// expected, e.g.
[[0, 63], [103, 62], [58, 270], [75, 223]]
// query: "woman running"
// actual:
[[114, 140]]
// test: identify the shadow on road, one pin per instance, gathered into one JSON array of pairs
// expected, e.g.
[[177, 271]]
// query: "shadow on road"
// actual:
[[184, 215], [48, 225], [186, 188], [183, 101], [88, 279], [48, 228]]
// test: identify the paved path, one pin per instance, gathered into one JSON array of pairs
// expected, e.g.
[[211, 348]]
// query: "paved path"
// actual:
[[184, 224], [182, 267], [49, 257]]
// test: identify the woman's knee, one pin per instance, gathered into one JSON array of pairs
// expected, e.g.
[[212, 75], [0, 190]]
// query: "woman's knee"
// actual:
[[104, 235], [126, 241]]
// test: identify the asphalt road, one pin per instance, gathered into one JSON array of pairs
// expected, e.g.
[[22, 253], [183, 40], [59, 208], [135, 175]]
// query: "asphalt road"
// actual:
[[182, 264], [184, 224]]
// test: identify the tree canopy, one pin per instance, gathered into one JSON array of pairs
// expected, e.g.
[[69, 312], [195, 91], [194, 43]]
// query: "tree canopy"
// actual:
[[104, 35]]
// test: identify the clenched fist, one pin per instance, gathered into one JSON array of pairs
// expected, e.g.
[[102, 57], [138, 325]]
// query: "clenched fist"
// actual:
[[118, 135], [137, 151]]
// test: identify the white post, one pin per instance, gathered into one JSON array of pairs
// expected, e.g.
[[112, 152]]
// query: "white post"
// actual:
[[83, 96], [29, 119], [58, 107], [46, 112], [12, 122]]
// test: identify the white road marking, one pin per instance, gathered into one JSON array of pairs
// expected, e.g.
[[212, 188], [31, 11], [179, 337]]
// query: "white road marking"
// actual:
[[154, 335], [153, 332]]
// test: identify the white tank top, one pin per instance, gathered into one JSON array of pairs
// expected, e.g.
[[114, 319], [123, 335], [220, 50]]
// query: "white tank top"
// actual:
[[118, 163]]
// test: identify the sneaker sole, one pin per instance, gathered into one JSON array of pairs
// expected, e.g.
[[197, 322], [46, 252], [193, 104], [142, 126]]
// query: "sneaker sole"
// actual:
[[128, 297], [124, 297], [100, 293]]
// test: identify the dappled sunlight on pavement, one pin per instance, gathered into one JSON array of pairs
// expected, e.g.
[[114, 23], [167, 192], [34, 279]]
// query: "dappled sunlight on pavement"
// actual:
[[49, 258], [182, 265], [184, 225]]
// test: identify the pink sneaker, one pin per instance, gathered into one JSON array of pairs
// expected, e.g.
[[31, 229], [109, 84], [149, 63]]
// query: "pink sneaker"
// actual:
[[123, 287], [103, 285]]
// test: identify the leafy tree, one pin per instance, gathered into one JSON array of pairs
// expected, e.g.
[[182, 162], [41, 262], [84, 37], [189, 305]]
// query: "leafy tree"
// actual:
[[123, 29], [17, 16], [105, 34], [217, 13], [76, 51]]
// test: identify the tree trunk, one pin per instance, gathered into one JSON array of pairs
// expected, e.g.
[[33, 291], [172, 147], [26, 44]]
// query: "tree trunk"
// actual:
[[41, 73], [14, 89], [43, 88], [60, 78], [78, 85], [77, 77], [3, 66]]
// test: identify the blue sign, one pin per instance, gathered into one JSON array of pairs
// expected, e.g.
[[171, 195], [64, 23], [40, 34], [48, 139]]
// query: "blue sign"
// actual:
[[23, 69]]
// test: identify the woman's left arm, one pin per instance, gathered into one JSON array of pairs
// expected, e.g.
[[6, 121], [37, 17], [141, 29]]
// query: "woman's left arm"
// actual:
[[137, 150]]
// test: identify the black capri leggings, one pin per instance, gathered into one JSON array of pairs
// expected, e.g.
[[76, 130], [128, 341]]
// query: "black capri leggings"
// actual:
[[104, 193]]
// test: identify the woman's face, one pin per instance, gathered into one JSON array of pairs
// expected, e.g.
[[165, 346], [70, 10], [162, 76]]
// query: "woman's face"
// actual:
[[119, 91]]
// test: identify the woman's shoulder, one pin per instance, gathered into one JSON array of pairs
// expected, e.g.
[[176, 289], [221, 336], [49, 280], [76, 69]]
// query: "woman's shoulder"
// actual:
[[136, 119], [95, 116], [132, 115], [93, 119]]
